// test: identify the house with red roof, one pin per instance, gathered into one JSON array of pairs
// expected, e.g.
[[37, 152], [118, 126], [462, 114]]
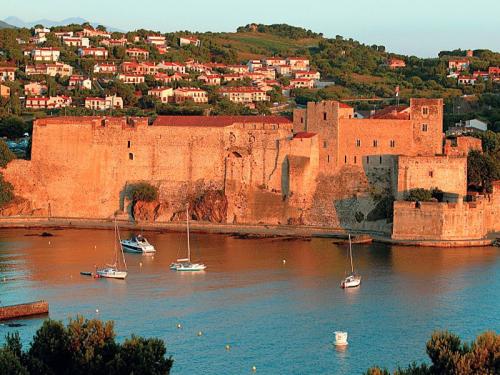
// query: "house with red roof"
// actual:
[[164, 94], [79, 81], [76, 41], [394, 63], [194, 94], [45, 54], [298, 63], [189, 41], [137, 53], [458, 64], [105, 68], [244, 94], [101, 104], [99, 53], [131, 78], [51, 102], [7, 73], [156, 40], [210, 79], [309, 74], [302, 83]]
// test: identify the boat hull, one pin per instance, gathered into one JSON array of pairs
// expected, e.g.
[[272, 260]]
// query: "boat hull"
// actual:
[[111, 274], [132, 248]]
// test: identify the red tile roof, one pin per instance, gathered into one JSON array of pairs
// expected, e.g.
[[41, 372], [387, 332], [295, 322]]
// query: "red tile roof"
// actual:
[[217, 121], [304, 135]]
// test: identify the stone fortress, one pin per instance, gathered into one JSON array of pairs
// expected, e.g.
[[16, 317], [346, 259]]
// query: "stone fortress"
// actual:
[[324, 168]]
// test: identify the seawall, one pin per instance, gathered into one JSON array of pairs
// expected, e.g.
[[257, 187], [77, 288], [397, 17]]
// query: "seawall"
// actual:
[[257, 230]]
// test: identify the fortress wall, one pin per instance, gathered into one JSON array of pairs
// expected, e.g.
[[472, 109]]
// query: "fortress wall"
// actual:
[[447, 173], [438, 221], [375, 137]]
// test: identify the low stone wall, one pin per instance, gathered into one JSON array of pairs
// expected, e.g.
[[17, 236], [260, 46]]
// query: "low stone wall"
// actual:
[[438, 221], [24, 309]]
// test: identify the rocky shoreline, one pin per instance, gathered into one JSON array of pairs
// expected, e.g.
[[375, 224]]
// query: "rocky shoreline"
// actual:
[[241, 231]]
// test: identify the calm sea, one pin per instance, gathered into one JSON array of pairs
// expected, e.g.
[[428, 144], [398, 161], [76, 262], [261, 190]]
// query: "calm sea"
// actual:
[[275, 315]]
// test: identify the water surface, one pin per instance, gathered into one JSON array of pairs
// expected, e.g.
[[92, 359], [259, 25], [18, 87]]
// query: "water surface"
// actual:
[[278, 316]]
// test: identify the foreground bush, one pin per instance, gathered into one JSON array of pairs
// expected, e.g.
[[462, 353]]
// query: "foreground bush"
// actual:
[[83, 347], [449, 355]]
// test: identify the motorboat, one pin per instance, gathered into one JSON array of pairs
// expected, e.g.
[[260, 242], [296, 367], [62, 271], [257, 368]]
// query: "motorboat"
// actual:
[[185, 264], [137, 244], [340, 338]]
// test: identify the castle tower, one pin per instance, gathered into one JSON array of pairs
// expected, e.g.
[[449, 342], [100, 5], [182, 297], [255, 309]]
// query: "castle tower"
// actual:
[[427, 119]]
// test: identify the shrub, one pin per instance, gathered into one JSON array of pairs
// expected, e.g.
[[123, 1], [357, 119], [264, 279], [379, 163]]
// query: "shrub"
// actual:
[[6, 191], [449, 355], [419, 194], [5, 154], [141, 191], [83, 347]]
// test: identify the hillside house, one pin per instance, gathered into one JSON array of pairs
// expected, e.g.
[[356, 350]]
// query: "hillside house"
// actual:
[[137, 53], [45, 54], [194, 94], [98, 53], [131, 78], [101, 104], [189, 40], [164, 94], [244, 95]]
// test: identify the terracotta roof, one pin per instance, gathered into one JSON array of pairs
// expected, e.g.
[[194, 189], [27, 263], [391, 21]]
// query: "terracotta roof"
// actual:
[[217, 121], [343, 105], [304, 135], [393, 112], [240, 89]]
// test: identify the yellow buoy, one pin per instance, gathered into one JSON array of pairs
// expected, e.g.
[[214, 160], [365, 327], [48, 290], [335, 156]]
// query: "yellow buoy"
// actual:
[[179, 326], [228, 347], [200, 333], [254, 368]]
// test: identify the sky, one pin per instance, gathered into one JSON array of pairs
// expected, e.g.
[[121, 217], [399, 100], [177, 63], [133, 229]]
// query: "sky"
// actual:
[[417, 27]]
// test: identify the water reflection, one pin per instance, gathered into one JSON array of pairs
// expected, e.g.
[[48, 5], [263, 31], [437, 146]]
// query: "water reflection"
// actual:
[[275, 315]]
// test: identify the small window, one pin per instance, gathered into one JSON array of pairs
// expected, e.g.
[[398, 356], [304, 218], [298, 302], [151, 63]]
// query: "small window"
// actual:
[[345, 159], [424, 127], [302, 120], [380, 160], [128, 144], [367, 160], [325, 144], [358, 142], [328, 158], [324, 116], [392, 143], [131, 156], [431, 174], [375, 143], [425, 111], [355, 160]]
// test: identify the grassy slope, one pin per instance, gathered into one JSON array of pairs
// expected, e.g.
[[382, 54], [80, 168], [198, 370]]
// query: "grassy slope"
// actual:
[[257, 45]]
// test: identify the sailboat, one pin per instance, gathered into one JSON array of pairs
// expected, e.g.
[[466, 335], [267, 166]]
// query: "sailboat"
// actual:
[[111, 271], [185, 264], [352, 280]]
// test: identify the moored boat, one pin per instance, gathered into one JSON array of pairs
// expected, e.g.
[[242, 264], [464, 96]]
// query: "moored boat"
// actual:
[[185, 264], [111, 271], [137, 244], [353, 280]]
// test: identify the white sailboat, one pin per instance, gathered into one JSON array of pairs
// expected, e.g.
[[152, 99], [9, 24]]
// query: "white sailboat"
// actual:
[[185, 264], [353, 280], [111, 271]]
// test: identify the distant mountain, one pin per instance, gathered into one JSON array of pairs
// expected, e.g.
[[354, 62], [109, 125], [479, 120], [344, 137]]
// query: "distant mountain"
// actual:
[[5, 25], [17, 22]]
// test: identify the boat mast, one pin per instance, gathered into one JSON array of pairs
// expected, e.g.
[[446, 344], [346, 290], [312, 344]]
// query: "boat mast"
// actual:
[[121, 247], [350, 253], [187, 226]]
